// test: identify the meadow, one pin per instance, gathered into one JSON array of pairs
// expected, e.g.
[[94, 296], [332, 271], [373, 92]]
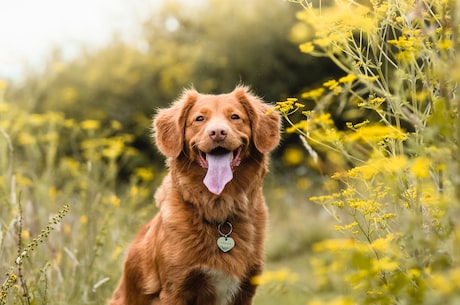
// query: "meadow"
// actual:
[[364, 210], [67, 217]]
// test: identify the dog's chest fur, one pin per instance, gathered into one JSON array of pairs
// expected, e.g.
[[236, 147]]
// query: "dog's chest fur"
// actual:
[[225, 287]]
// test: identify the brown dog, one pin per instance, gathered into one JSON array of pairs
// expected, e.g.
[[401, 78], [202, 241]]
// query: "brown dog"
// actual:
[[206, 243]]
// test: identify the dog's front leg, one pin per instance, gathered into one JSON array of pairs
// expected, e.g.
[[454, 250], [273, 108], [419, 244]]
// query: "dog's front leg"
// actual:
[[247, 288]]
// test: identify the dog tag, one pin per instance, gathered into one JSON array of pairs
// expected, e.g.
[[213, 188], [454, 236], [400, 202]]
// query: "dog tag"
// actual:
[[225, 243]]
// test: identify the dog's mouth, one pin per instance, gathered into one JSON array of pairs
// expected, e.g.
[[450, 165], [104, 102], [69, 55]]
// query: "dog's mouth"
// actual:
[[219, 163]]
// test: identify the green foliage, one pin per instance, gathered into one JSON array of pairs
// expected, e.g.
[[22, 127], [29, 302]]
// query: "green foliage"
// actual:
[[398, 205], [215, 46]]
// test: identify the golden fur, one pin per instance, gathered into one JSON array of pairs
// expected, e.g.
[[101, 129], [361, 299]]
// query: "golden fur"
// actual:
[[174, 260]]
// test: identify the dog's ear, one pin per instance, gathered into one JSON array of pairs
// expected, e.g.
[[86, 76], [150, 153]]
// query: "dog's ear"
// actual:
[[265, 126], [169, 125]]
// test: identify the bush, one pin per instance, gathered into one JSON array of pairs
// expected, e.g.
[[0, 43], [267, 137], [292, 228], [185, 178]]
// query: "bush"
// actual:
[[391, 125]]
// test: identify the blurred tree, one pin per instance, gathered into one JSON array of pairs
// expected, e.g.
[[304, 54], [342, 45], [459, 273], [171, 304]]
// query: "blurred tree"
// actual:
[[212, 46]]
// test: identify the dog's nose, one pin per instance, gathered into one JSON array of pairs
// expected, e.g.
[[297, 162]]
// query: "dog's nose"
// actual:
[[218, 133]]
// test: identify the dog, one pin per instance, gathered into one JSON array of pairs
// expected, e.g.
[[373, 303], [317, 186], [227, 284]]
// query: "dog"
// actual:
[[205, 246]]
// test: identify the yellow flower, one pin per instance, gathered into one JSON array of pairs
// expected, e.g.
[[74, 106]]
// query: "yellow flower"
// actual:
[[348, 79], [287, 106], [421, 167], [303, 183], [116, 125], [333, 245], [441, 283], [52, 192], [282, 275], [376, 102], [25, 234], [331, 84], [376, 133], [293, 156], [384, 264], [312, 93], [145, 174], [90, 124], [445, 44], [383, 244], [114, 148], [323, 42], [67, 229], [299, 32], [300, 126], [26, 139], [307, 47], [323, 119], [37, 119], [115, 201], [83, 219]]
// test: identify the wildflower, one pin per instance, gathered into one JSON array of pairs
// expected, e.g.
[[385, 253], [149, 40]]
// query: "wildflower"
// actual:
[[420, 167], [115, 125], [37, 119], [115, 201], [441, 283], [67, 229], [25, 138], [300, 126], [322, 198], [307, 47], [25, 234], [383, 244], [21, 180], [114, 148], [288, 106], [375, 133], [293, 156], [69, 123], [282, 275], [303, 183], [331, 84], [312, 93], [145, 174], [51, 137], [333, 245], [376, 102], [52, 192], [83, 219], [445, 44], [384, 264], [90, 124], [323, 119], [134, 191], [348, 79]]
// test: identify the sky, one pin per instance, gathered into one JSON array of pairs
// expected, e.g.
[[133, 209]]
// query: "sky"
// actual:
[[30, 29]]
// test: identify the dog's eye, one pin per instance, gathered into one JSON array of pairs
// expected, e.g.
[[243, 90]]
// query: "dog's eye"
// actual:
[[235, 117], [199, 118]]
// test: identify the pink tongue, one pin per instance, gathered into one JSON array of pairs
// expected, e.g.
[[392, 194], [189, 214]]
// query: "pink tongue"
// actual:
[[219, 172]]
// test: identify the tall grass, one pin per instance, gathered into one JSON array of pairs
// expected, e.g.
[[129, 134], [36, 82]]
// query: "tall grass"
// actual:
[[72, 199], [50, 164]]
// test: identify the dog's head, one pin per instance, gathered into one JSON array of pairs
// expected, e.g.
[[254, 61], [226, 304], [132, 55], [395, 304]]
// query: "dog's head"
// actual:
[[218, 132]]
